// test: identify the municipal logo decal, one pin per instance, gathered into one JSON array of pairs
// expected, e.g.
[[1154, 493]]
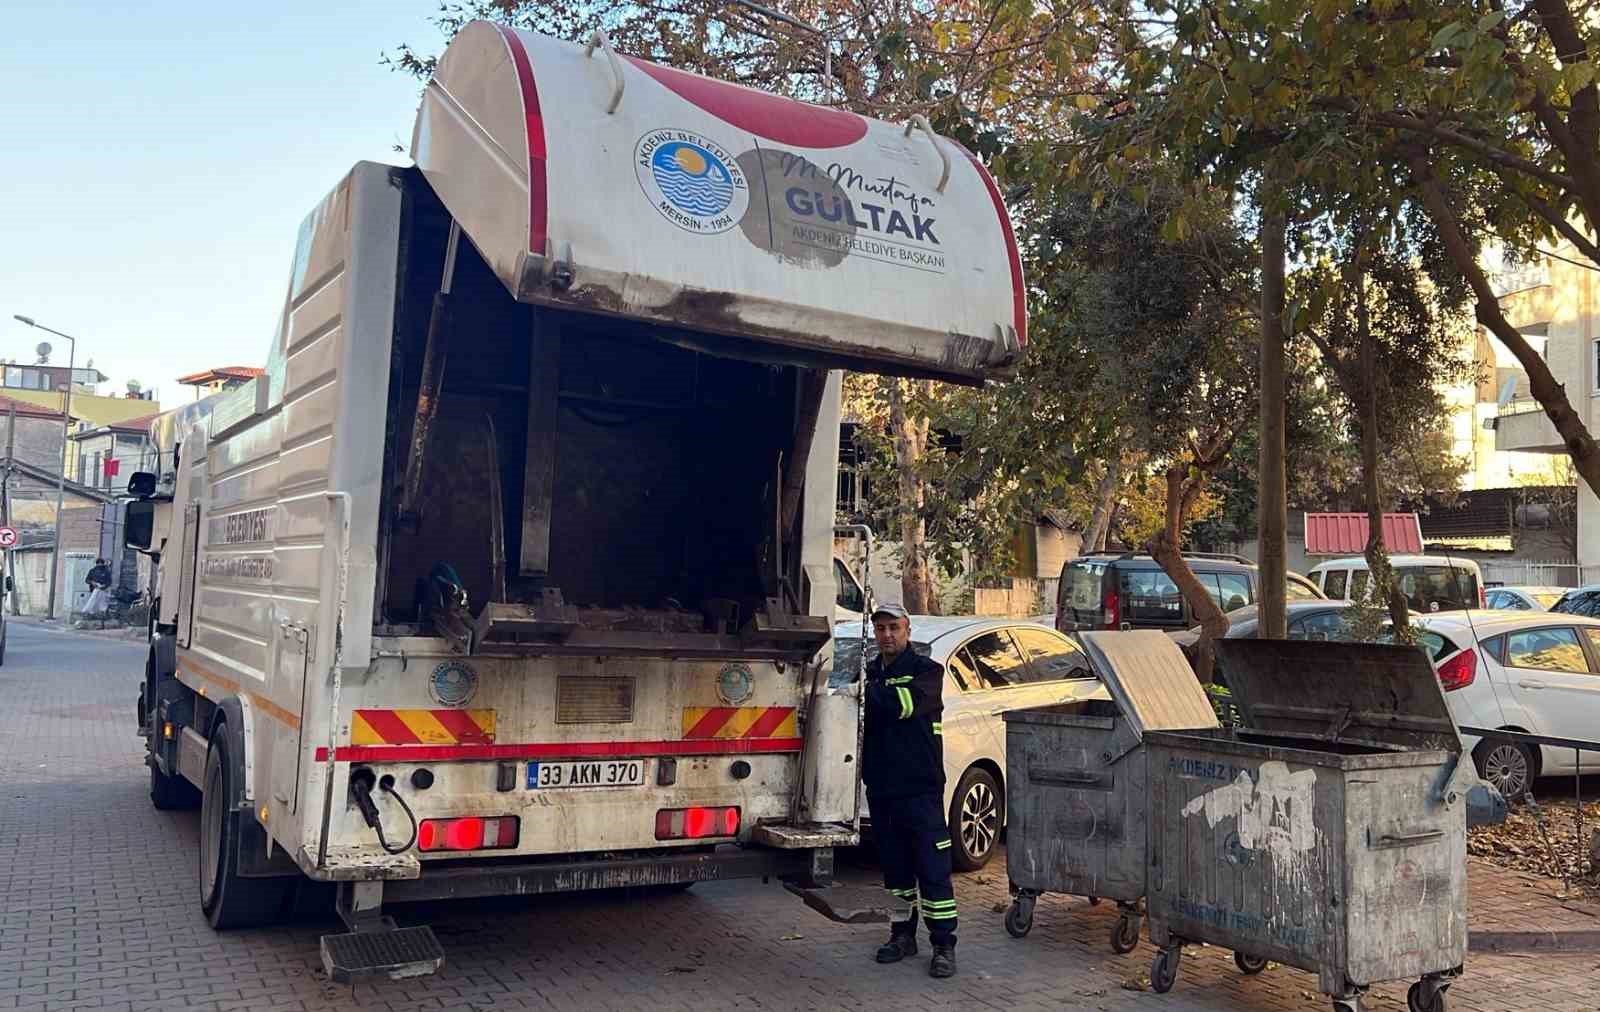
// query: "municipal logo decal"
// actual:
[[453, 683], [693, 181]]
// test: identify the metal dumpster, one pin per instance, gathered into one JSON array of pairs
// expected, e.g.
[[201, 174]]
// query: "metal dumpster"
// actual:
[[1327, 832], [1075, 776]]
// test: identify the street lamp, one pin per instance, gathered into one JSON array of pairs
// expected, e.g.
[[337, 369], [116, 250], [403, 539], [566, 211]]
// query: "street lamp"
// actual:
[[66, 416]]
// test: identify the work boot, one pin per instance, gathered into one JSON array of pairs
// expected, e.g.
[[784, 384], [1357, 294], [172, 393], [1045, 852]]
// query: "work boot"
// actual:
[[944, 961], [898, 947]]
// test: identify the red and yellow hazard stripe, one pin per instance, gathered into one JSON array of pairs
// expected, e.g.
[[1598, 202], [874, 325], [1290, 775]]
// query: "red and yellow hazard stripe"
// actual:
[[739, 722], [422, 727]]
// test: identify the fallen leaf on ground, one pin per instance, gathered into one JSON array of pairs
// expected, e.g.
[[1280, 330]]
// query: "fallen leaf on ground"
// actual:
[[1140, 983], [791, 938], [1000, 908]]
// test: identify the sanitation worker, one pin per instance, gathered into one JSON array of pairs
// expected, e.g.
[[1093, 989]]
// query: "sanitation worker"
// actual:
[[903, 766]]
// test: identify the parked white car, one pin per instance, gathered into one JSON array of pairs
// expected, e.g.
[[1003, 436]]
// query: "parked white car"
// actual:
[[991, 666], [1522, 671], [1522, 598], [1431, 583]]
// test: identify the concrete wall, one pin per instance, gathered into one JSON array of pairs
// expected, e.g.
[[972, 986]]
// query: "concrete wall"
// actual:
[[38, 440]]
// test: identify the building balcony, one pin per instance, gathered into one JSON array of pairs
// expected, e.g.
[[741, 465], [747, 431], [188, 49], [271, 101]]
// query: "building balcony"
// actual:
[[1523, 427]]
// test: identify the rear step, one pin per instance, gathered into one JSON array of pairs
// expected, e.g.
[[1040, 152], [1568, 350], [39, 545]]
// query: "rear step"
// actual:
[[396, 953], [852, 904]]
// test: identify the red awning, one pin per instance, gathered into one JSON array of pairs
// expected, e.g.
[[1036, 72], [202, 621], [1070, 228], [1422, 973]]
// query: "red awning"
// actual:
[[1346, 533]]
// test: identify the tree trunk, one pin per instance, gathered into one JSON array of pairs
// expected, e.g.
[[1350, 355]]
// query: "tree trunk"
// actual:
[[1551, 395], [1383, 582], [1272, 498], [910, 442], [1105, 497], [1183, 485]]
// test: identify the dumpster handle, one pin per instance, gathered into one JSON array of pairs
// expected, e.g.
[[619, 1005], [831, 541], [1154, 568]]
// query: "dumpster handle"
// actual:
[[1389, 840], [1041, 776]]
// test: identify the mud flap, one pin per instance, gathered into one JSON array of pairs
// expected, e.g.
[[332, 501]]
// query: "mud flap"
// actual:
[[852, 904]]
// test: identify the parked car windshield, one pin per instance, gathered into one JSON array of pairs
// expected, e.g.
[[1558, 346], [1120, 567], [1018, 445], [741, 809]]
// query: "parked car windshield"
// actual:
[[1579, 602], [1438, 588]]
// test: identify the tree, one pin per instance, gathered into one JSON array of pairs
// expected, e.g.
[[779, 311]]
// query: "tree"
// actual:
[[1390, 358], [1142, 357], [1466, 121]]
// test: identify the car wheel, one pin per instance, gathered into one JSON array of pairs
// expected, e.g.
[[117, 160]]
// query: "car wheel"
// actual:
[[1509, 766], [977, 811]]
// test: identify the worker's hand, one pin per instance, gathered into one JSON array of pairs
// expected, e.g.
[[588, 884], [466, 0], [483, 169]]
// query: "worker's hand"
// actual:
[[850, 689]]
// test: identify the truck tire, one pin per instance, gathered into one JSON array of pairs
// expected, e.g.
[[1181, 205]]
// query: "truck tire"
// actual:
[[172, 794], [228, 900]]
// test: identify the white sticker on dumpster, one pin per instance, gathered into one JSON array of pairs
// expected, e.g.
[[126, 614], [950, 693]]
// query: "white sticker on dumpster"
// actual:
[[1273, 813]]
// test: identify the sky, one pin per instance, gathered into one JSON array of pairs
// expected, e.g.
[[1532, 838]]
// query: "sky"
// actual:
[[156, 160]]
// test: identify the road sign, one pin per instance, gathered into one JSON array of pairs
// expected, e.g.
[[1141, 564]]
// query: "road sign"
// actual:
[[8, 537]]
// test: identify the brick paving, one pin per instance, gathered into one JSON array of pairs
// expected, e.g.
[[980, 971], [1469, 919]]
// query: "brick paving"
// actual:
[[97, 911]]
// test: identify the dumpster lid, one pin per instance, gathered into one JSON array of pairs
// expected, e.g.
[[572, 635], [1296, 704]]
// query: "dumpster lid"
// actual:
[[1367, 691], [1150, 679]]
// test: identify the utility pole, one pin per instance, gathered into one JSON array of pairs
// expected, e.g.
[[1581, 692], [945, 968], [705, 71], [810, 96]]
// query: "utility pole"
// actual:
[[66, 418], [5, 504], [1272, 498]]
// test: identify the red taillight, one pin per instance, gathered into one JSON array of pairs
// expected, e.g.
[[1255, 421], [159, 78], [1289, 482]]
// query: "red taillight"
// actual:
[[1459, 671], [696, 823], [1113, 610], [471, 833], [1483, 599]]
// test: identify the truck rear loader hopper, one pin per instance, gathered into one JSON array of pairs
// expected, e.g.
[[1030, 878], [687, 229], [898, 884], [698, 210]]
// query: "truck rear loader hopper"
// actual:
[[514, 572]]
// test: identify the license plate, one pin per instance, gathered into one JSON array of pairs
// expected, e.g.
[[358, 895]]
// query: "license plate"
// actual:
[[602, 773]]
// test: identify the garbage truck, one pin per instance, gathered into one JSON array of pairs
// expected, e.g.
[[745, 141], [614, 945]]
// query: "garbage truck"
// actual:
[[513, 572]]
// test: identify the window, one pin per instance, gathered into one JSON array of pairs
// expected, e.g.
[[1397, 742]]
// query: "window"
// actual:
[[1149, 595], [1297, 588], [1236, 590], [1358, 584], [1546, 650], [961, 669], [1579, 603], [1050, 657], [1438, 588], [1497, 599], [1320, 625], [1495, 648], [83, 466], [1336, 578], [997, 660], [1594, 637], [1080, 587], [849, 596]]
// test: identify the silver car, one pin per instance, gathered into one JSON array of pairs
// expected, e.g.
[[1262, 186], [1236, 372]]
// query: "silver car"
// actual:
[[991, 666]]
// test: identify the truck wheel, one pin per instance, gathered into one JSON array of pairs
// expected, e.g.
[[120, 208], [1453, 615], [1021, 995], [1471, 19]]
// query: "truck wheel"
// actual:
[[977, 811], [228, 900], [172, 794]]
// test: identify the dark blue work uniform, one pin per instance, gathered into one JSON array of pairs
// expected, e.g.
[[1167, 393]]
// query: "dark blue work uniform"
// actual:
[[903, 767]]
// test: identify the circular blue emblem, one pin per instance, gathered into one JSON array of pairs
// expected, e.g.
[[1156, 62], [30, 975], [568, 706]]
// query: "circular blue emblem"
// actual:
[[453, 683], [693, 181], [692, 178], [735, 684]]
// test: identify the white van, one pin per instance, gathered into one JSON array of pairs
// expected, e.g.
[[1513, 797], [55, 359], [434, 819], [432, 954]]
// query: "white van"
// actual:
[[1430, 582]]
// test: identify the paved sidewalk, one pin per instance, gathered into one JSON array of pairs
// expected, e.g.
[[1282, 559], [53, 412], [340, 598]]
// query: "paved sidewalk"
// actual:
[[98, 911]]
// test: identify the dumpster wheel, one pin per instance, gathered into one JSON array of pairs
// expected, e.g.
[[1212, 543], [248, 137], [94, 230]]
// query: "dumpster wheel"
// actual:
[[1426, 996], [1019, 918], [1249, 965], [1164, 969], [1125, 933]]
